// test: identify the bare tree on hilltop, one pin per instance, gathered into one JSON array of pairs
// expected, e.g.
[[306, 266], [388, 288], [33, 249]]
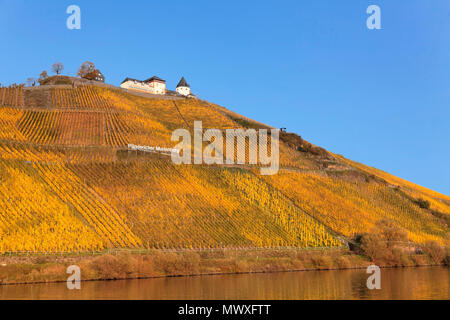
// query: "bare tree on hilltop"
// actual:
[[86, 68], [57, 68], [43, 76], [88, 71]]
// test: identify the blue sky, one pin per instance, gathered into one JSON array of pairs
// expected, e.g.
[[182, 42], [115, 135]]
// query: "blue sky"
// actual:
[[380, 97]]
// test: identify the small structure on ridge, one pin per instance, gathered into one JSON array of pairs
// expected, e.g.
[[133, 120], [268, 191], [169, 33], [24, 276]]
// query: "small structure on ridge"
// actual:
[[183, 87]]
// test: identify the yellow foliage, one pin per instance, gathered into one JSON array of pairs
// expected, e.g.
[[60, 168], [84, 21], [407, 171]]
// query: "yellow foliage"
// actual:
[[352, 208], [68, 185], [34, 219], [9, 118], [85, 97], [195, 206], [73, 128], [11, 96], [438, 201], [98, 214]]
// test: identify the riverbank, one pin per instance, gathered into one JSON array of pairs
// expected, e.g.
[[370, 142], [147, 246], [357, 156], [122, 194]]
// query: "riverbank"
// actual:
[[128, 265], [416, 283]]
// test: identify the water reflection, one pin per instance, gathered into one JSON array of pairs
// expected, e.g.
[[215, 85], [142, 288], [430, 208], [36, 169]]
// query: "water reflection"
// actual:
[[408, 283]]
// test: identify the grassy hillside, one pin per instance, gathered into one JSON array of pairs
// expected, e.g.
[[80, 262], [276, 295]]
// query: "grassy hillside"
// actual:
[[68, 184]]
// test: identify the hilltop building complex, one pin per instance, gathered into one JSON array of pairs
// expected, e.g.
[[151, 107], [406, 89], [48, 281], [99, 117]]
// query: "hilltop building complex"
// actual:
[[155, 85]]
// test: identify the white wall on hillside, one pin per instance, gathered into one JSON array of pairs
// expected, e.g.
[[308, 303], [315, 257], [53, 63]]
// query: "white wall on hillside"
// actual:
[[185, 91], [154, 87], [158, 87]]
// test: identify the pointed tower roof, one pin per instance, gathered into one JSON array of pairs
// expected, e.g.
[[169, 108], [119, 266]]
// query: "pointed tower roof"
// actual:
[[183, 83]]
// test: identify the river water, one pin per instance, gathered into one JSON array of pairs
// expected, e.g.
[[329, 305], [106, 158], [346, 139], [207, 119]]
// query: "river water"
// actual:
[[403, 283]]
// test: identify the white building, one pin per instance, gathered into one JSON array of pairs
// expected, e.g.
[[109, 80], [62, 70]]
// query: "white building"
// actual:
[[183, 87], [153, 85]]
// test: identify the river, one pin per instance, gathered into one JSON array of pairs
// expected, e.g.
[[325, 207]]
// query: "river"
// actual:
[[402, 283]]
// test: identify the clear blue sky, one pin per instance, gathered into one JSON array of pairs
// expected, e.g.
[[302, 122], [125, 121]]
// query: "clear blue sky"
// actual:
[[380, 97]]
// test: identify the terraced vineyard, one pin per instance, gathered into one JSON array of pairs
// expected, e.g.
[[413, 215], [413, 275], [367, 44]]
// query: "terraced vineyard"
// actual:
[[98, 214], [9, 118], [86, 97], [437, 201], [11, 96], [172, 206], [32, 218], [68, 183], [353, 208], [73, 128]]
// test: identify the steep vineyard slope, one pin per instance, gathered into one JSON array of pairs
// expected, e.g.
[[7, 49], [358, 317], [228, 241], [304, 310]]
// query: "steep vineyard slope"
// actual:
[[68, 182], [438, 201], [201, 206], [353, 208]]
